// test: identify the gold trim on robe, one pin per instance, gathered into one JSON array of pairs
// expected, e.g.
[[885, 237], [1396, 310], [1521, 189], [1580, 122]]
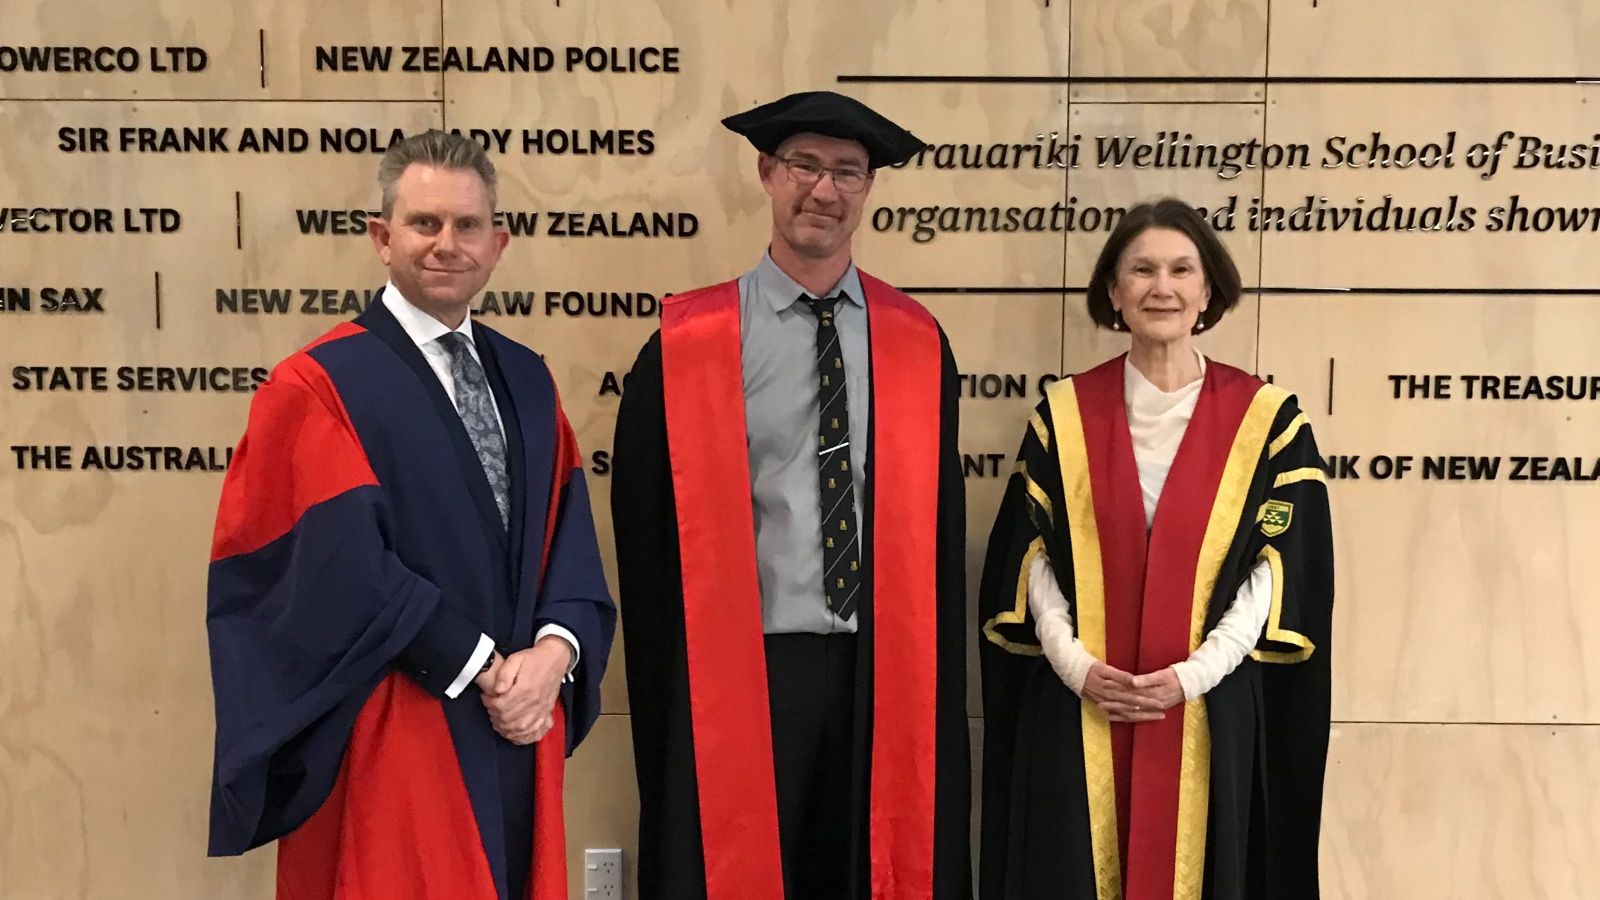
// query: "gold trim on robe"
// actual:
[[1282, 440], [1295, 476], [1194, 787], [1275, 632], [1089, 589], [1019, 612]]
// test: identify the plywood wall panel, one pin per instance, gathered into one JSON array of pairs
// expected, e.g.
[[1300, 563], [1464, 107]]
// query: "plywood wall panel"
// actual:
[[1527, 249], [1088, 89], [897, 37], [1153, 38], [224, 51], [106, 733], [1435, 38], [602, 801], [223, 241], [1460, 812], [1006, 348], [1458, 600], [987, 124]]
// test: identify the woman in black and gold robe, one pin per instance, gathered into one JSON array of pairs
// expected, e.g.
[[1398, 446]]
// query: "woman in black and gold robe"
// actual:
[[1155, 610]]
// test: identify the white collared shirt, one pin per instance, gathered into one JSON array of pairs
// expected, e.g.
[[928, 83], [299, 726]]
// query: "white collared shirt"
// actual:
[[425, 331]]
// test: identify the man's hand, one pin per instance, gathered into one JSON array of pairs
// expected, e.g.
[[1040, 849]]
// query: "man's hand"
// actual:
[[1113, 690], [524, 687]]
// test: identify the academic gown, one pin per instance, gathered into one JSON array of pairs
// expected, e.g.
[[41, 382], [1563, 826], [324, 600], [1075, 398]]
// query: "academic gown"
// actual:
[[357, 538], [1221, 799], [674, 855]]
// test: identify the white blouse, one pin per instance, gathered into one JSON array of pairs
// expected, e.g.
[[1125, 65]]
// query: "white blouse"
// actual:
[[1156, 423]]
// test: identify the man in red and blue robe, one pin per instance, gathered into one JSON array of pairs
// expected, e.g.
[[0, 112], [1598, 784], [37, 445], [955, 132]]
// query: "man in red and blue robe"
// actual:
[[407, 614]]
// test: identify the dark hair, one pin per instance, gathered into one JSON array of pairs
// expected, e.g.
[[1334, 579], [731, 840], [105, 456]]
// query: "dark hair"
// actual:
[[1168, 212]]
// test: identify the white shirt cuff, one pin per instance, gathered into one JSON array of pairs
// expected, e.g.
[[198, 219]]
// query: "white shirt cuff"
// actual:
[[473, 667], [572, 645]]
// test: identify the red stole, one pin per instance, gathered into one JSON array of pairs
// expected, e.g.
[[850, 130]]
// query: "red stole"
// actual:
[[1152, 607], [708, 444], [372, 841]]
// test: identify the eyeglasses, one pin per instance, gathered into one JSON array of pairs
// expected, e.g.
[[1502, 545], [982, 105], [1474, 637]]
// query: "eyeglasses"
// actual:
[[807, 173]]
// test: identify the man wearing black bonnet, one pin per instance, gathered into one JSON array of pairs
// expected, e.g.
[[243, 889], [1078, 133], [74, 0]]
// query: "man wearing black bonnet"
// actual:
[[790, 521]]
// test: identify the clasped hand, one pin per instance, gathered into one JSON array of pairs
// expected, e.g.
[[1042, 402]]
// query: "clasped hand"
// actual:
[[1125, 697], [520, 690]]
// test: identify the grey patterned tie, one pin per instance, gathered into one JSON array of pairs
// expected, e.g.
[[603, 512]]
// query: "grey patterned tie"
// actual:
[[476, 405]]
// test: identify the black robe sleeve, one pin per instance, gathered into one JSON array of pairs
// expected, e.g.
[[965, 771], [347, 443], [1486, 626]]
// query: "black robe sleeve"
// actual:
[[1295, 531], [302, 626], [644, 516], [1009, 651]]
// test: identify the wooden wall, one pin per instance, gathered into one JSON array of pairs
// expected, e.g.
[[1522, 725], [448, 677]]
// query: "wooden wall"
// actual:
[[1466, 744]]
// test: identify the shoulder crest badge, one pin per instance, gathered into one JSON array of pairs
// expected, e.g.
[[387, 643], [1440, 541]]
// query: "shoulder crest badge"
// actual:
[[1275, 517]]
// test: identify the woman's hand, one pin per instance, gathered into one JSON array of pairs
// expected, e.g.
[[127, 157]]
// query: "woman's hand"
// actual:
[[1114, 691], [1160, 688]]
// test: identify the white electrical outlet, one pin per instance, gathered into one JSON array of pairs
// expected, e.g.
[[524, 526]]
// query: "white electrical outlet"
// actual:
[[602, 874]]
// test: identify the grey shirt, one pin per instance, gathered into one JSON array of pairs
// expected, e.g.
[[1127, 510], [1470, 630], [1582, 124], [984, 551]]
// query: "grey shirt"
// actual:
[[779, 355]]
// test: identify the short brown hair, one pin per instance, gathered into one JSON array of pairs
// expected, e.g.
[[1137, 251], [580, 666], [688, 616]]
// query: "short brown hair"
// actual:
[[1169, 212], [439, 149]]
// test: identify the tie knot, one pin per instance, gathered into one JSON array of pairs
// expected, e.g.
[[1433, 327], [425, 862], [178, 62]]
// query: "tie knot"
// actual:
[[456, 343], [822, 307]]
